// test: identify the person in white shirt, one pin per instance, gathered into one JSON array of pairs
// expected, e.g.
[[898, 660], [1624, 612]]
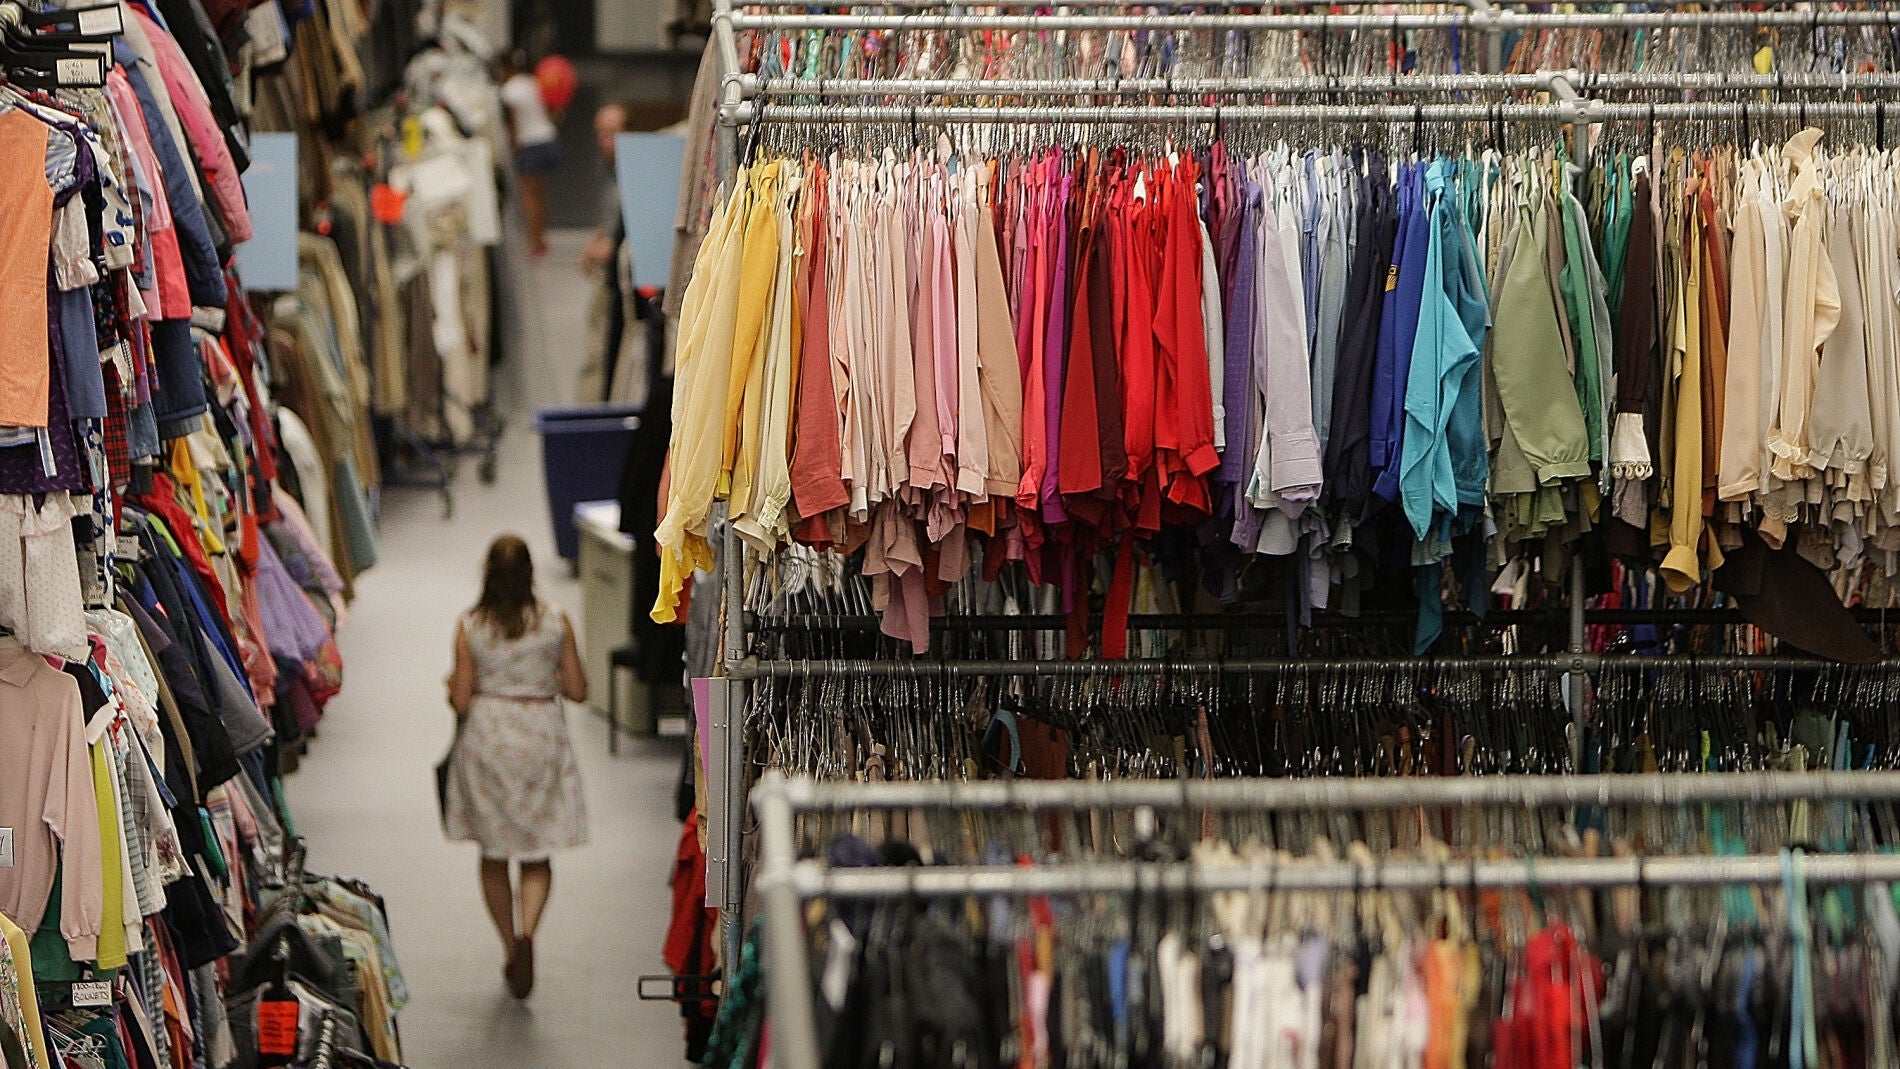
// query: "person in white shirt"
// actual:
[[535, 141]]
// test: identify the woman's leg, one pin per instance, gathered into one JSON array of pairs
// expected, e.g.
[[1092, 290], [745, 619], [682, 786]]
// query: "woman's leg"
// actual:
[[534, 212], [500, 896], [537, 879]]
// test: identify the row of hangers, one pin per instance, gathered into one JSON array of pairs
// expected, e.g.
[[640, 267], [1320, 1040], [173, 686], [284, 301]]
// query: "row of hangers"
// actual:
[[1347, 49], [1409, 717]]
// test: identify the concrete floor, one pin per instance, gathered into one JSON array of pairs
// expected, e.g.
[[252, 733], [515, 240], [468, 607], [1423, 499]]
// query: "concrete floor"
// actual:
[[364, 798]]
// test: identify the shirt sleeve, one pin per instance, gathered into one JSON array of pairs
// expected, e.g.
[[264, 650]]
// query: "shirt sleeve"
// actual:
[[73, 817]]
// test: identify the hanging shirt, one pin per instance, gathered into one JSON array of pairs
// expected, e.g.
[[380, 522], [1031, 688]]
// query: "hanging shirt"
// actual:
[[817, 464], [1442, 381], [46, 797], [701, 367], [1398, 332], [1813, 307], [1528, 357]]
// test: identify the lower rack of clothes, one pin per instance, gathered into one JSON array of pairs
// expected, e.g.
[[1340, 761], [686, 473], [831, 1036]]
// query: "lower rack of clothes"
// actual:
[[1725, 920]]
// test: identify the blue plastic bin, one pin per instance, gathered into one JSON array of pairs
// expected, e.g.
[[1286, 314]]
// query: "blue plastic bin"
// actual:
[[582, 449]]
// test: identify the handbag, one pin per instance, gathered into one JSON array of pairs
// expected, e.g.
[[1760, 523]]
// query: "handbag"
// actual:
[[442, 777]]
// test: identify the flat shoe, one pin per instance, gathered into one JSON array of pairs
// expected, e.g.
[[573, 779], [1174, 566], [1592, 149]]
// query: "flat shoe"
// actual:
[[518, 972]]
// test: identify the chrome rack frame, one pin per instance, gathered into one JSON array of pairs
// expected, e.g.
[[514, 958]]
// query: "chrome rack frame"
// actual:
[[1574, 663]]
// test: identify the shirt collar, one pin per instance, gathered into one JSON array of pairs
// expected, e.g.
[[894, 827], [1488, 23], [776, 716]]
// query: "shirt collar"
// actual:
[[18, 665]]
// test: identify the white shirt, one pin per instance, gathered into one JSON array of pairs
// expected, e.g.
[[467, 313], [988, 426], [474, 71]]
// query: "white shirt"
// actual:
[[522, 94]]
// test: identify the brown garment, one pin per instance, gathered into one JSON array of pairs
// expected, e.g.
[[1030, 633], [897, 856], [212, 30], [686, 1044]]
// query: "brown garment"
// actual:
[[1786, 596], [1714, 346]]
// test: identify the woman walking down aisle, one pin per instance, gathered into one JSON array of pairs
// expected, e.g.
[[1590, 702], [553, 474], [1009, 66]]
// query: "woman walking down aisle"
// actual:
[[514, 785]]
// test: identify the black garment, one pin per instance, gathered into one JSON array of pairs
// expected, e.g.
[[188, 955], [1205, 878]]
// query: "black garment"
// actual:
[[1638, 358], [393, 39], [662, 647], [208, 740], [1347, 465], [200, 42], [1786, 596], [617, 326]]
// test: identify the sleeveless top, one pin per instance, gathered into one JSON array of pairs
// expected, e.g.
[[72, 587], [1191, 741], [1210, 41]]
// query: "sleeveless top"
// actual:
[[525, 667]]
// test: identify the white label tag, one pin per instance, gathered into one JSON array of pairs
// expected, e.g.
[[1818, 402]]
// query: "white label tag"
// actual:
[[92, 995], [6, 848], [101, 22], [78, 72]]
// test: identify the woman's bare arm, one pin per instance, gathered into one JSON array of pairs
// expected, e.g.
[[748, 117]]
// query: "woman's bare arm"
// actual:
[[462, 676], [573, 676]]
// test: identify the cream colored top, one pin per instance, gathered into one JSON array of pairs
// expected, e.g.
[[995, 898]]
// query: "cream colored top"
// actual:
[[1813, 308]]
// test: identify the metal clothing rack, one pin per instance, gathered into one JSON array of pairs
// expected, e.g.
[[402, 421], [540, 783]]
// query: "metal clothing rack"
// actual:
[[1577, 111], [788, 883], [1569, 663], [753, 86], [1485, 20], [750, 100]]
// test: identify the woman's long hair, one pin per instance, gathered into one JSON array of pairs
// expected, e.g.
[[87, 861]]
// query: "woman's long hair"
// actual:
[[507, 602]]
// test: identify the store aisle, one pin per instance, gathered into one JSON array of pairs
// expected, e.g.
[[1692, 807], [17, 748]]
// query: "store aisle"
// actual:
[[364, 798]]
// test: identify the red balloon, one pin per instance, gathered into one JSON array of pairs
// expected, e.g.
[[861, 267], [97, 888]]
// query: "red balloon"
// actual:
[[558, 81]]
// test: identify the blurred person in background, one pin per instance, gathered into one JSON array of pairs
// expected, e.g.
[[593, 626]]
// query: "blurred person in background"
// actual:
[[534, 140], [610, 122]]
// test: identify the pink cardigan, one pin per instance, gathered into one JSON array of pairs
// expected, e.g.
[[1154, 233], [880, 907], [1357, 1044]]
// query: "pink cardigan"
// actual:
[[201, 128]]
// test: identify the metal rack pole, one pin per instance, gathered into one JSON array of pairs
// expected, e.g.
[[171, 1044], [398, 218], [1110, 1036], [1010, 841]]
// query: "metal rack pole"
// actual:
[[1477, 7], [1476, 21], [1248, 620], [731, 744], [753, 86], [813, 880], [1569, 662], [1581, 110], [794, 1022], [1343, 793]]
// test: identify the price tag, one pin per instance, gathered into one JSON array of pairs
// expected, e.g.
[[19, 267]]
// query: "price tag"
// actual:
[[6, 848], [101, 22], [277, 1028], [92, 995], [79, 72]]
